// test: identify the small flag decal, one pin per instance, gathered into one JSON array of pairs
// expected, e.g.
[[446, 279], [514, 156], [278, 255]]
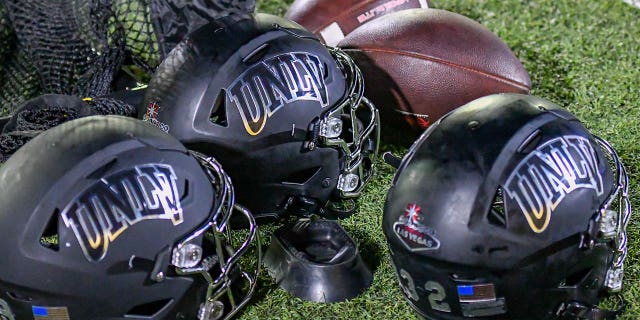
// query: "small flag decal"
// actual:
[[477, 293], [50, 313]]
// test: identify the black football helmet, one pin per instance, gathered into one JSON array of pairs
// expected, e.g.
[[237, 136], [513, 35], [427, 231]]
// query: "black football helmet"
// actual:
[[508, 208], [107, 217], [284, 114]]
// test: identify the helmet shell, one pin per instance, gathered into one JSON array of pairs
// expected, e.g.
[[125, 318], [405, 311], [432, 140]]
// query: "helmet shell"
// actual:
[[496, 196], [67, 228], [248, 93]]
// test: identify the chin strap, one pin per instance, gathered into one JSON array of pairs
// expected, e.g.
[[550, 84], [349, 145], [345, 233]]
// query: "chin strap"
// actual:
[[578, 311], [392, 160]]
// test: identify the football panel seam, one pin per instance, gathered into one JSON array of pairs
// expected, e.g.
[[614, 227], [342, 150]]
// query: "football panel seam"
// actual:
[[498, 78]]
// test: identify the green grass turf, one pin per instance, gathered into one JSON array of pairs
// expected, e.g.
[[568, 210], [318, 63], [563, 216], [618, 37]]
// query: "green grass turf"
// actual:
[[583, 55]]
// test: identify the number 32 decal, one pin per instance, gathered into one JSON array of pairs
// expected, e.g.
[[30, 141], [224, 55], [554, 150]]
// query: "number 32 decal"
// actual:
[[436, 296]]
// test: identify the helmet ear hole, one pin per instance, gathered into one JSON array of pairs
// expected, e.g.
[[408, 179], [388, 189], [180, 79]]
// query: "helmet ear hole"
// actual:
[[497, 214], [219, 112], [325, 71], [148, 309], [185, 190], [49, 237]]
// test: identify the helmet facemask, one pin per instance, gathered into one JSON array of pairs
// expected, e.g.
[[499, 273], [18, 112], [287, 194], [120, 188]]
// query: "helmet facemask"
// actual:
[[608, 228], [188, 258], [612, 222], [353, 128]]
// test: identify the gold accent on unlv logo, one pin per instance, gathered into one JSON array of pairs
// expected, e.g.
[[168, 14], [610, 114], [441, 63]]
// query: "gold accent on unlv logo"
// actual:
[[551, 172], [112, 205], [270, 85]]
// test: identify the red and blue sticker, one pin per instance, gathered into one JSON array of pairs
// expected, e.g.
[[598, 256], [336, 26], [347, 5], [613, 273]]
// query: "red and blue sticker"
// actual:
[[478, 292], [479, 300], [50, 313]]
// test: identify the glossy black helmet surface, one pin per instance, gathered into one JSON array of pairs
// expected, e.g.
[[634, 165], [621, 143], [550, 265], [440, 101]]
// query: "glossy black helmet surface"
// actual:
[[283, 113], [107, 217], [508, 208]]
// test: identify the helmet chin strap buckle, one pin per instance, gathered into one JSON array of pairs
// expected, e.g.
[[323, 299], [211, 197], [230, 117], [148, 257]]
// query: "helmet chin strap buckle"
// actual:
[[312, 140], [163, 258]]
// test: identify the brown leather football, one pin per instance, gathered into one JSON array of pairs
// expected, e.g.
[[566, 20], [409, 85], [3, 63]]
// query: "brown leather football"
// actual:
[[332, 20], [423, 63]]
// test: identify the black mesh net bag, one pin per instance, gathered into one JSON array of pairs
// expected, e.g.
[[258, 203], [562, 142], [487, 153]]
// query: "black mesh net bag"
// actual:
[[47, 111], [107, 105], [81, 47], [87, 49], [50, 110], [65, 47], [11, 142]]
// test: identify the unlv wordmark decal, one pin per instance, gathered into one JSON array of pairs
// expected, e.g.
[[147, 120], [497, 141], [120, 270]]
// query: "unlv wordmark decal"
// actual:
[[551, 172], [273, 83], [115, 203]]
